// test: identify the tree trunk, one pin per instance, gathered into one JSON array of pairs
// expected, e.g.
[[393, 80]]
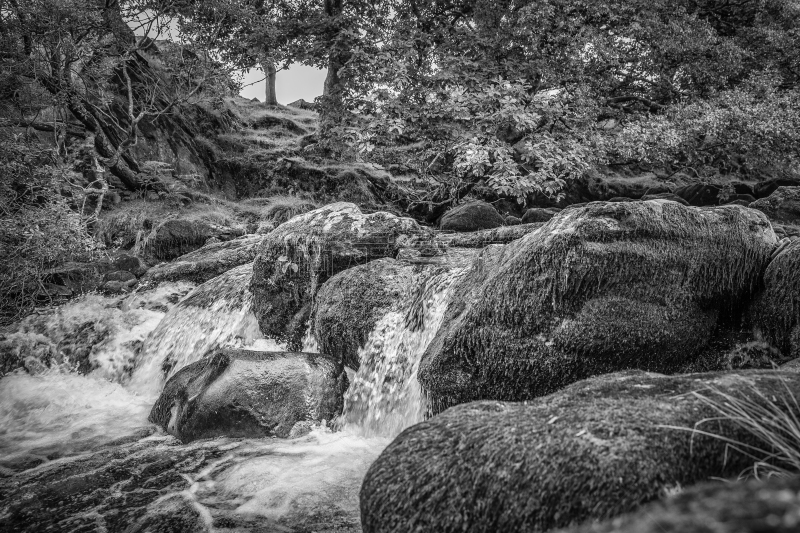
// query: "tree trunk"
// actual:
[[270, 72]]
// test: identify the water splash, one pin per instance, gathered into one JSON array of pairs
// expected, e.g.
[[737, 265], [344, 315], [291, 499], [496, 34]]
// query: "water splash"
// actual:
[[95, 333], [216, 314], [384, 396], [56, 413]]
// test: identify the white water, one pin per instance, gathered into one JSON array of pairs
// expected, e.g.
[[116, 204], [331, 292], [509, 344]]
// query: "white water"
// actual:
[[57, 412], [385, 397]]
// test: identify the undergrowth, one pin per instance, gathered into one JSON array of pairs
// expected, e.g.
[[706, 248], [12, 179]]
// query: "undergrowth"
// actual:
[[772, 419]]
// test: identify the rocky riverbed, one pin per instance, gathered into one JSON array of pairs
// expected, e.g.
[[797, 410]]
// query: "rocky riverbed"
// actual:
[[358, 371]]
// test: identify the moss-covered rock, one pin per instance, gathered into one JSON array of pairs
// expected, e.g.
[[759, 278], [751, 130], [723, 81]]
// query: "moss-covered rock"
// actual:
[[244, 393], [483, 238], [595, 450], [781, 206], [601, 288], [539, 214], [756, 506], [471, 216], [776, 311], [301, 254], [349, 305], [207, 262]]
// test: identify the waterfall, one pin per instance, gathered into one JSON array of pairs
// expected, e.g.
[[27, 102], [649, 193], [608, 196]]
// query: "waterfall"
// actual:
[[216, 314], [384, 396]]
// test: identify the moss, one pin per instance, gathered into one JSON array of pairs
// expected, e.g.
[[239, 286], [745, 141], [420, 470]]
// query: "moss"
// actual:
[[600, 288], [245, 393], [300, 255], [594, 450], [207, 262], [471, 216], [755, 506], [776, 311], [350, 304]]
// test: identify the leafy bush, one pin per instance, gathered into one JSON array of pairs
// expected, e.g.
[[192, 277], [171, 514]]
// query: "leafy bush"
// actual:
[[38, 228]]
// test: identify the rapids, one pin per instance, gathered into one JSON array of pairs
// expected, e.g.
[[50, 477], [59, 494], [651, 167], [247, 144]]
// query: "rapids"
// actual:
[[53, 412]]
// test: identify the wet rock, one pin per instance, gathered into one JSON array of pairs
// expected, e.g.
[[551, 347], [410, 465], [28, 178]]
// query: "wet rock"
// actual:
[[301, 254], [599, 448], [176, 513], [350, 304], [511, 220], [471, 216], [539, 214], [114, 287], [756, 506], [597, 289], [208, 262], [110, 487], [782, 206], [776, 310], [243, 393], [665, 196]]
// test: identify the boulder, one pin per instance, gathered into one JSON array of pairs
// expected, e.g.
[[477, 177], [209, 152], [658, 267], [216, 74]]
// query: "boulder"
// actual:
[[481, 239], [177, 236], [601, 288], [700, 194], [511, 220], [599, 448], [539, 214], [348, 305], [665, 196], [301, 254], [756, 506], [782, 206], [776, 310], [766, 188], [243, 393], [131, 263], [208, 262], [471, 216]]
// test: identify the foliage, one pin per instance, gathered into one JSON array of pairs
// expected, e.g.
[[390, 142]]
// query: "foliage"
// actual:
[[527, 95], [38, 227]]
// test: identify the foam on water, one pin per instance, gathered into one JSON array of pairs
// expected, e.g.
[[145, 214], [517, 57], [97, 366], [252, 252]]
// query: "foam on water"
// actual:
[[319, 474], [58, 413], [55, 413], [384, 396]]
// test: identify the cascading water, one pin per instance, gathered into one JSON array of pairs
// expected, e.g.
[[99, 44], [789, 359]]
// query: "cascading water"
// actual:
[[384, 396], [216, 314], [57, 413]]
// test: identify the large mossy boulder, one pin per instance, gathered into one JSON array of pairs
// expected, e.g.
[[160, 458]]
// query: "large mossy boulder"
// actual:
[[209, 261], [771, 505], [349, 305], [782, 206], [776, 310], [243, 393], [301, 254], [595, 450], [600, 288], [471, 216]]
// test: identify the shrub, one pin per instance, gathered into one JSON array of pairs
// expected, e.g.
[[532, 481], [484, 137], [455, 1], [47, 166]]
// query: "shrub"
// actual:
[[38, 228]]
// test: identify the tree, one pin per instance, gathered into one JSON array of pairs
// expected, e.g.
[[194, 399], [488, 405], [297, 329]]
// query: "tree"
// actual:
[[526, 95], [87, 57]]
